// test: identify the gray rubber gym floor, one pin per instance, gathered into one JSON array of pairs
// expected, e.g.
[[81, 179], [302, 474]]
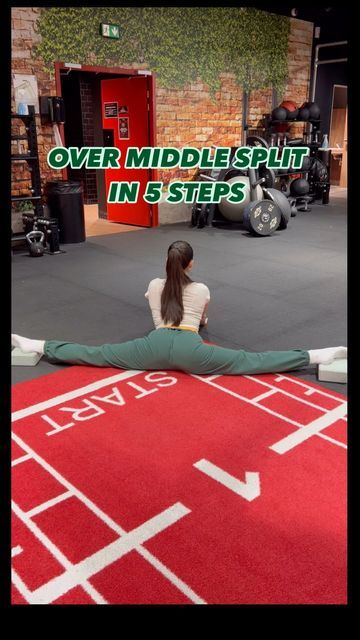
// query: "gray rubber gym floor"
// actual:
[[284, 291]]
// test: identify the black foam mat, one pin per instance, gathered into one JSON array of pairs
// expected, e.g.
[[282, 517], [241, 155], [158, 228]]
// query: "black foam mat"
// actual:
[[288, 290]]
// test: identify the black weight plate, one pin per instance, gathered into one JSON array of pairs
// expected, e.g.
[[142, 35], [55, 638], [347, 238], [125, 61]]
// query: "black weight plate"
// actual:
[[282, 202], [295, 142], [195, 211], [268, 174], [232, 173], [203, 215], [256, 141], [261, 217]]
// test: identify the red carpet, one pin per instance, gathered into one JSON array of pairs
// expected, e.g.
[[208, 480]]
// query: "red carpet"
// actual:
[[160, 488]]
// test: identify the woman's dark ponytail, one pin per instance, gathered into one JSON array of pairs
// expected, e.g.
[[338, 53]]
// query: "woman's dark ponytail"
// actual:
[[180, 253]]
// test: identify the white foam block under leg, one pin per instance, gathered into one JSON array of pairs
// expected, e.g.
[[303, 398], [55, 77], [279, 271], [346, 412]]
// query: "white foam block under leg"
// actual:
[[334, 372], [18, 357]]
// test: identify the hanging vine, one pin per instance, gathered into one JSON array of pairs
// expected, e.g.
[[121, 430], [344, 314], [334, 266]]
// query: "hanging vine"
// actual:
[[180, 44]]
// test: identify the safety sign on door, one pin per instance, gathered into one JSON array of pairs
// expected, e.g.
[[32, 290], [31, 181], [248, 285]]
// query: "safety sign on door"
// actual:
[[110, 109], [124, 132]]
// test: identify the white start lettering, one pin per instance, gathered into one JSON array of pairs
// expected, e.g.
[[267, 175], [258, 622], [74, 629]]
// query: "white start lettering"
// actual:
[[93, 406]]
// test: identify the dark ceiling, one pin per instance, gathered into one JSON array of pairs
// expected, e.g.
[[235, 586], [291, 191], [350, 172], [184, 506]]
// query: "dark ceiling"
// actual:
[[333, 21]]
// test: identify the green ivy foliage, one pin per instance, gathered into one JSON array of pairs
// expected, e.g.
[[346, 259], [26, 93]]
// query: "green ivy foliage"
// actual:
[[180, 44]]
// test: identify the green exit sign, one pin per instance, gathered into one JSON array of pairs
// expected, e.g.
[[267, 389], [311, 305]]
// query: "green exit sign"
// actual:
[[110, 30]]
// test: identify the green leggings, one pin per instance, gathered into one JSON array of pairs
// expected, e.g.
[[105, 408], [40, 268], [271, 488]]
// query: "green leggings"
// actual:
[[175, 349]]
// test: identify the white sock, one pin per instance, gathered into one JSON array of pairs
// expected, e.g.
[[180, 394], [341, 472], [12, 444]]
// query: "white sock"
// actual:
[[27, 345], [326, 356]]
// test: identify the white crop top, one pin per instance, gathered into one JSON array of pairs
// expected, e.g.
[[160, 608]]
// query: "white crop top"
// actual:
[[195, 297]]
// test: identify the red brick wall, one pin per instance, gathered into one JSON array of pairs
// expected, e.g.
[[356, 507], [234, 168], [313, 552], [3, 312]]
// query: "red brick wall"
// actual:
[[299, 65], [189, 117], [298, 85], [185, 116], [260, 102]]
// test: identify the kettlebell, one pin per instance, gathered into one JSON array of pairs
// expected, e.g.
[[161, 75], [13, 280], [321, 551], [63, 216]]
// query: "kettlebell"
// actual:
[[293, 207], [35, 241]]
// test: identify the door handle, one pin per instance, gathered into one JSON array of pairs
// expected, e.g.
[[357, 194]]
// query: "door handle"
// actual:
[[108, 137]]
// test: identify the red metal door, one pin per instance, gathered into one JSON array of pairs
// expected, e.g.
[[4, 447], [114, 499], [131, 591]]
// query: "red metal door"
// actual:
[[125, 118]]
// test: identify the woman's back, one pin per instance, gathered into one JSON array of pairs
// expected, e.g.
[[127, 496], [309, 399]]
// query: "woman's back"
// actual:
[[196, 295]]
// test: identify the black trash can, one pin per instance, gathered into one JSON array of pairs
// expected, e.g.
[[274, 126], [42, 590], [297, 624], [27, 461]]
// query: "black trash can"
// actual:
[[65, 202]]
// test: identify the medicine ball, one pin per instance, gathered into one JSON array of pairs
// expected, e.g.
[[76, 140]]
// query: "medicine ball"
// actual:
[[279, 113], [314, 110], [291, 109], [299, 187], [304, 114], [233, 211]]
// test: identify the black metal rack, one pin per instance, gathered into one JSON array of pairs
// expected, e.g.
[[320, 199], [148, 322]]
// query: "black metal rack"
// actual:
[[290, 122], [311, 130], [319, 189], [267, 125], [32, 158]]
